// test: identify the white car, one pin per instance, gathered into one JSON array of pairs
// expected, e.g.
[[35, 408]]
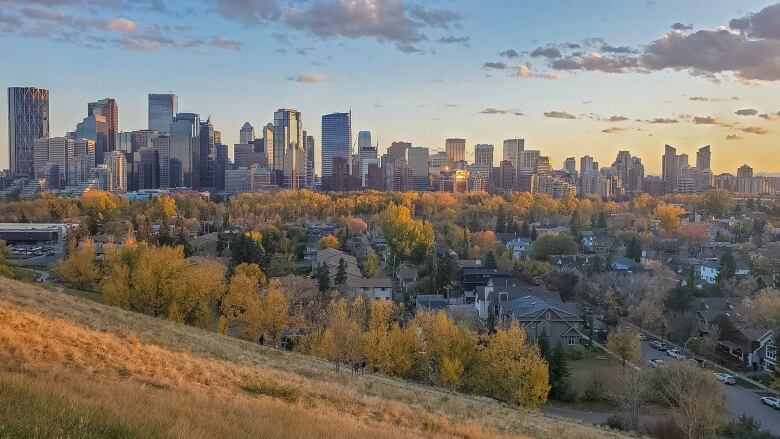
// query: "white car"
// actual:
[[771, 401], [675, 353], [725, 378], [656, 363]]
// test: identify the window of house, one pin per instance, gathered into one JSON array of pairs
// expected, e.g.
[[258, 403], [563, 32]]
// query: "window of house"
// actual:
[[771, 352], [503, 297], [548, 315], [572, 341]]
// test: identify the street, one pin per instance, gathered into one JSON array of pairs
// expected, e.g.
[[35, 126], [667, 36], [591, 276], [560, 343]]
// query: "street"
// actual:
[[739, 401]]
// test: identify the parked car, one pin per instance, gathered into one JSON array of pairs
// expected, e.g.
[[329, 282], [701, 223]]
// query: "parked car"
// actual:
[[642, 337], [659, 346], [656, 363], [675, 353], [725, 378], [771, 401]]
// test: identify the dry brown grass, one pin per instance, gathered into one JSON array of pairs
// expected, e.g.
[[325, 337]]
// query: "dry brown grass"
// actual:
[[184, 382]]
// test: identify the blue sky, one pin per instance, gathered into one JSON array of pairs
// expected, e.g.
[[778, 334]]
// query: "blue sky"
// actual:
[[423, 71]]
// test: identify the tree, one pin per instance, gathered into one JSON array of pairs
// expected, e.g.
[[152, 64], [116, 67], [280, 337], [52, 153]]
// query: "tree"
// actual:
[[602, 220], [328, 241], [549, 245], [624, 343], [501, 224], [370, 266], [341, 273], [513, 370], [525, 230], [727, 267], [341, 341], [406, 238], [79, 269], [695, 397], [490, 260], [322, 274], [164, 208], [559, 373], [534, 234], [247, 248], [631, 391], [634, 249], [718, 202], [575, 223], [6, 270], [669, 215]]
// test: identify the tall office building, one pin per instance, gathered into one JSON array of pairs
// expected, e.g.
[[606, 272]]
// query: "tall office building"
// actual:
[[94, 127], [417, 158], [310, 161], [58, 150], [109, 109], [268, 143], [28, 119], [542, 166], [670, 169], [184, 170], [483, 155], [289, 149], [336, 141], [205, 163], [221, 159], [367, 156], [364, 139], [247, 133], [570, 165], [397, 150], [117, 164], [162, 109], [162, 144], [512, 149], [456, 151], [703, 156], [526, 162]]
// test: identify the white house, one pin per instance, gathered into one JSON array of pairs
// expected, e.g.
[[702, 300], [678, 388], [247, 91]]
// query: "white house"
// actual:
[[376, 289], [519, 247]]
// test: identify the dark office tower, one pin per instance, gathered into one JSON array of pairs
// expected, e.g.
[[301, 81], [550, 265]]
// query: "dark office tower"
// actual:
[[162, 144], [28, 119], [95, 127], [220, 164], [110, 110], [162, 109], [310, 162], [397, 150], [670, 169], [336, 141], [703, 158], [185, 151], [206, 154]]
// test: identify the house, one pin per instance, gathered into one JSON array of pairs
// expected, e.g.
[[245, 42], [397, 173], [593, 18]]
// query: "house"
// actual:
[[519, 247], [711, 307], [407, 275], [331, 257], [380, 288], [471, 278], [708, 271], [626, 266], [469, 263], [768, 281], [540, 318], [570, 262], [430, 302], [593, 243], [495, 296]]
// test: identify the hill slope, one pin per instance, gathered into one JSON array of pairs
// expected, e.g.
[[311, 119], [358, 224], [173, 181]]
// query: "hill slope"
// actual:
[[70, 367]]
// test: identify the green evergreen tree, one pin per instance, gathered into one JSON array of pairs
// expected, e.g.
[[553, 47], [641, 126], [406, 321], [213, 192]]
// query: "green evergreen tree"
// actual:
[[490, 260], [575, 223], [341, 272], [534, 234], [525, 231], [559, 373], [322, 276], [634, 249], [727, 267], [501, 220], [543, 342], [602, 224]]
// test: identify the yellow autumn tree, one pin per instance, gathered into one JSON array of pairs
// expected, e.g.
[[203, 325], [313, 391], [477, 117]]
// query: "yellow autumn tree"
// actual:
[[449, 348], [669, 215], [164, 208], [341, 341], [513, 370], [274, 311], [376, 339], [79, 269], [328, 241]]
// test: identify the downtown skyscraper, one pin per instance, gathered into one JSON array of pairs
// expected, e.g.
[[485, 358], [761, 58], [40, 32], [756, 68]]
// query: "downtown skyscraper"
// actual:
[[336, 143], [184, 164], [162, 109], [109, 109], [28, 119], [289, 161]]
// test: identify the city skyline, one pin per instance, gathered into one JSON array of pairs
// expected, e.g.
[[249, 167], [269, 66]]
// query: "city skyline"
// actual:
[[612, 94]]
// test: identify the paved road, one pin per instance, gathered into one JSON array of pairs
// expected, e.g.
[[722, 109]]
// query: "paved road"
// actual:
[[739, 401]]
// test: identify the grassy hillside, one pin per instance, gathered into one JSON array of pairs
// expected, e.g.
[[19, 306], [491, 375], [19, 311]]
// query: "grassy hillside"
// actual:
[[70, 367]]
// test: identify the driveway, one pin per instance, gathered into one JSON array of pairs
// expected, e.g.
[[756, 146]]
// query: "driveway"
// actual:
[[739, 401]]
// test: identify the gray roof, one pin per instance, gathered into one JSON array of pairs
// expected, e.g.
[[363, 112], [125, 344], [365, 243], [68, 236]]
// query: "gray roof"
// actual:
[[529, 307]]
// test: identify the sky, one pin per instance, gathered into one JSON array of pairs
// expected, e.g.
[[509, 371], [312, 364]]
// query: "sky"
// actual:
[[571, 77]]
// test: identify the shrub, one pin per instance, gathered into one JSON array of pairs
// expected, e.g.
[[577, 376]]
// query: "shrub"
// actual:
[[279, 391]]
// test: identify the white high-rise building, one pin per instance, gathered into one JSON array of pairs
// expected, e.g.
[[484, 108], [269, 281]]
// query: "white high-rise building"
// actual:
[[526, 162], [512, 149], [117, 165], [58, 150], [289, 148]]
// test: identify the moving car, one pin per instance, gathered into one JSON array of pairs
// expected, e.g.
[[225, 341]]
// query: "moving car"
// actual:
[[656, 363], [771, 401], [725, 378], [675, 353], [659, 346]]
